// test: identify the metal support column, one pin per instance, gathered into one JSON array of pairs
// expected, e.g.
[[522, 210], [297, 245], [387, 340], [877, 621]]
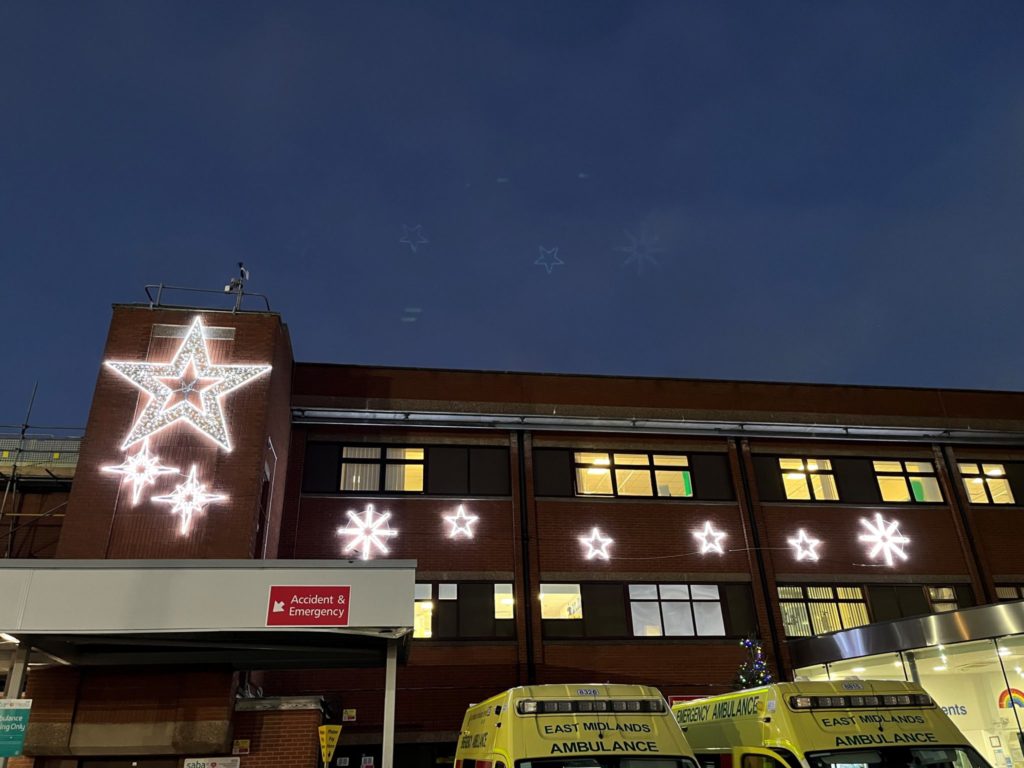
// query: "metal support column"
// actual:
[[16, 675], [390, 673]]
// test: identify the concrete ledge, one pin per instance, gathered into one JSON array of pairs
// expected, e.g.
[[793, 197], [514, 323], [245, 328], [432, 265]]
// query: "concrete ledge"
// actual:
[[278, 703]]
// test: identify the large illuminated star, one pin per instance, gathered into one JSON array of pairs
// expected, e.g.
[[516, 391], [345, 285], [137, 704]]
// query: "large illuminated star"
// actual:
[[188, 389], [461, 524], [142, 469], [710, 539], [884, 538], [805, 547], [188, 499], [368, 533], [597, 545]]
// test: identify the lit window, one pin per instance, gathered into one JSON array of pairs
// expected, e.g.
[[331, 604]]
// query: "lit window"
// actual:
[[561, 601], [986, 483], [810, 611], [632, 474], [807, 479], [504, 602], [1007, 593], [423, 615], [942, 599], [372, 469], [906, 481], [676, 610]]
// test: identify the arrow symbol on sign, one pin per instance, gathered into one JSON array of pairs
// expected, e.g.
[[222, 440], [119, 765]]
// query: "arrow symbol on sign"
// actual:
[[279, 606]]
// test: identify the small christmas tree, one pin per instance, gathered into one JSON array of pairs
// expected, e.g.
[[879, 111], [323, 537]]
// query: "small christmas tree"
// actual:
[[754, 670]]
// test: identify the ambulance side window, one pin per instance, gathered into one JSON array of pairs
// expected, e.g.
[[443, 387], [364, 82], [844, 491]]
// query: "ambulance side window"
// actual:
[[717, 760], [762, 761]]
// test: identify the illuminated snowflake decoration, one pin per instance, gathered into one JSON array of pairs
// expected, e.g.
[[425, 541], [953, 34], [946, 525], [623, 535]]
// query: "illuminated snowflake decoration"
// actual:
[[367, 534], [189, 499], [804, 547], [141, 469], [549, 258], [597, 545], [413, 237], [710, 539], [641, 250], [883, 538], [188, 389], [461, 524]]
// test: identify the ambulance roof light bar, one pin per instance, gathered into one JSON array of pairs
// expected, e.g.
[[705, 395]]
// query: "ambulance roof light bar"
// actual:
[[565, 706], [859, 702]]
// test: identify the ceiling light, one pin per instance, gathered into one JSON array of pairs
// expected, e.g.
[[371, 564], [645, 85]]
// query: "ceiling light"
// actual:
[[939, 669], [9, 638], [858, 670]]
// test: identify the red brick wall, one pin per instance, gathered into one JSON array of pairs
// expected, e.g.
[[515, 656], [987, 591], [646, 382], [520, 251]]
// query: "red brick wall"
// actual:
[[101, 521], [280, 738]]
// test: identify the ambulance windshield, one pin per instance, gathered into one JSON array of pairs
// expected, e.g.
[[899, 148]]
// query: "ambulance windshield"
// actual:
[[899, 757], [608, 762]]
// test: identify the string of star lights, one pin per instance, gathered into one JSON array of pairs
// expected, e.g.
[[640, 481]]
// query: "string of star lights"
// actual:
[[596, 544], [883, 538], [188, 499], [140, 469], [367, 534], [188, 389], [460, 525]]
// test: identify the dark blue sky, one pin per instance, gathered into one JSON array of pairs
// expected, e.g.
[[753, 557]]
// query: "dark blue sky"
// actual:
[[833, 191]]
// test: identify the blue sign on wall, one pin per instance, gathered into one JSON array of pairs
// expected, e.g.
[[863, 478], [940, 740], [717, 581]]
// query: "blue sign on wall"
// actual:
[[13, 722]]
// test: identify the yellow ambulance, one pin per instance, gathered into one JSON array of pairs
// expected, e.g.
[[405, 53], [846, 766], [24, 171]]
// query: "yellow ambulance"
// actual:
[[573, 726], [848, 724]]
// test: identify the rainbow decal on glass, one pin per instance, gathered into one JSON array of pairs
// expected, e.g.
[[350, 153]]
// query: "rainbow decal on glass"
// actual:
[[1011, 698]]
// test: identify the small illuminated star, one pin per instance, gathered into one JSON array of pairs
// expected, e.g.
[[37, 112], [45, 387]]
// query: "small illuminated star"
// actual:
[[189, 389], [710, 539], [597, 545], [884, 537], [548, 258], [188, 499], [461, 523], [641, 250], [805, 546], [369, 532], [141, 469], [413, 237]]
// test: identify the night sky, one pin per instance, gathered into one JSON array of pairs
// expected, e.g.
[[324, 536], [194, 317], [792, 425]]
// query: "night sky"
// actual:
[[818, 191]]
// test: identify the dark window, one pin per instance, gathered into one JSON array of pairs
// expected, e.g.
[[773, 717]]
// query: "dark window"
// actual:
[[856, 480], [769, 481], [712, 479], [448, 470], [322, 470], [464, 611], [488, 472], [898, 601], [552, 472], [738, 602]]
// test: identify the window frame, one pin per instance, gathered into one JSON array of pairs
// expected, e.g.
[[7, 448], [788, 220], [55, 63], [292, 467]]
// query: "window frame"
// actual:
[[659, 600], [805, 602], [933, 601], [723, 602], [435, 599], [990, 499], [1017, 588], [907, 475], [808, 473], [651, 467], [382, 463]]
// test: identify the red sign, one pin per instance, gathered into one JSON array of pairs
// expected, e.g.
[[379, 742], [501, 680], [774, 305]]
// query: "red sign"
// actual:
[[308, 606]]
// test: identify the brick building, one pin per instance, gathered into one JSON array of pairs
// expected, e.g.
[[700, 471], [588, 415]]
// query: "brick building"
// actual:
[[565, 528]]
